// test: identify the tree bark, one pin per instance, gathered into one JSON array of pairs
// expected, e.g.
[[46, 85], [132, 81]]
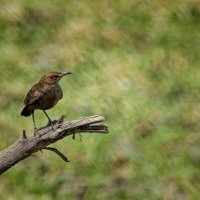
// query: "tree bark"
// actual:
[[26, 146]]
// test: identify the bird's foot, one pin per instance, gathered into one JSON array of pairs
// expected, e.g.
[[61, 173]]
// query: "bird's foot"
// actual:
[[61, 119], [50, 123], [55, 122], [36, 132]]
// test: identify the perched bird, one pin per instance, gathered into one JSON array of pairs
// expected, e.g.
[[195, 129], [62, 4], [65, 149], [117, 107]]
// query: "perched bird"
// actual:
[[44, 95]]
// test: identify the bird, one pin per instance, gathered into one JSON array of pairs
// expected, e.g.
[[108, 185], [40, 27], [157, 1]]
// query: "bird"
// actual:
[[43, 95]]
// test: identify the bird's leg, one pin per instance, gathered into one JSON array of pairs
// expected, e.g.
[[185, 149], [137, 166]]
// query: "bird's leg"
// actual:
[[35, 128], [50, 122]]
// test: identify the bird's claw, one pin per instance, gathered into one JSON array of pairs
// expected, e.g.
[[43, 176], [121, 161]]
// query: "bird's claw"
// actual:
[[55, 122], [49, 123], [36, 132], [61, 119]]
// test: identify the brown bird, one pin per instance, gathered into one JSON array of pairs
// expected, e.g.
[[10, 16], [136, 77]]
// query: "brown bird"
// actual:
[[44, 95]]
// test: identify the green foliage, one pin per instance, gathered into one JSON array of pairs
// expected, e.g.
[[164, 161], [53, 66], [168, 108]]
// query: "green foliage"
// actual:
[[134, 62]]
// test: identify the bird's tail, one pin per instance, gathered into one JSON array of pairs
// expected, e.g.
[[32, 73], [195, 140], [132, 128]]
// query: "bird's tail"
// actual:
[[26, 111]]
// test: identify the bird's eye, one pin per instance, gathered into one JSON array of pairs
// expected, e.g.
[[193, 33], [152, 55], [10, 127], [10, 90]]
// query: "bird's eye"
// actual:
[[55, 77]]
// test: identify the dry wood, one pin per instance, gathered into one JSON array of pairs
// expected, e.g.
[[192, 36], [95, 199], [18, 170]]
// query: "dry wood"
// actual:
[[27, 145]]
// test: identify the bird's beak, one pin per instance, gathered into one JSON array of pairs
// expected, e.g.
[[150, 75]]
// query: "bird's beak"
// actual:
[[65, 73]]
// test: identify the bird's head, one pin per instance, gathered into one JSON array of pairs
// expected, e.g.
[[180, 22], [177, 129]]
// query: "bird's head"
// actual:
[[53, 77]]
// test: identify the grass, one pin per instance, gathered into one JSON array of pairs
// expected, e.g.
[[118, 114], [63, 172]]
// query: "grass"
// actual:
[[134, 62]]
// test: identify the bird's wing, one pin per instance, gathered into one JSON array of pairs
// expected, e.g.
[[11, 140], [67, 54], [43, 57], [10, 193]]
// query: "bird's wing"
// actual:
[[33, 95]]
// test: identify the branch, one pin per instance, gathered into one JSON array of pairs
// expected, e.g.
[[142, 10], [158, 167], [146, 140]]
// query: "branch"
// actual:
[[57, 152], [27, 145]]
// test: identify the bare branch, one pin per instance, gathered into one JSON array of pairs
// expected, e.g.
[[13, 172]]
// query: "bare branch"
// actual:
[[57, 152], [27, 145]]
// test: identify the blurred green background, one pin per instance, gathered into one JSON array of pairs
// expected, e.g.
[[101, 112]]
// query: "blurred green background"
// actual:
[[134, 62]]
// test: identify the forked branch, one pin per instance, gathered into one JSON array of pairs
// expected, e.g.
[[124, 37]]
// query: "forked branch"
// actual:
[[27, 145]]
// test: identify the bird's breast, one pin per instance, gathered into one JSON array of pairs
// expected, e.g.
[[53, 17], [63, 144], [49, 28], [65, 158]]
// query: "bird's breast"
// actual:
[[50, 98]]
